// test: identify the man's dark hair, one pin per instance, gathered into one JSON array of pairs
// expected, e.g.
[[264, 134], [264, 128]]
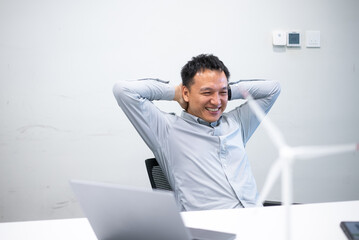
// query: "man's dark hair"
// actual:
[[199, 64]]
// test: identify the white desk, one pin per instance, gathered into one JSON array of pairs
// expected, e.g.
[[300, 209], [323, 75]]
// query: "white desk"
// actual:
[[310, 221]]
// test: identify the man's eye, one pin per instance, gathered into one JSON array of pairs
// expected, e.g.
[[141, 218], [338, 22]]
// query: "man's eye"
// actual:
[[206, 93], [224, 93]]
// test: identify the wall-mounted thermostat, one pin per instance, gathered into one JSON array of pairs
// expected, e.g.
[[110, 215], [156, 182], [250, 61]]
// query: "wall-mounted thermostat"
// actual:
[[293, 39]]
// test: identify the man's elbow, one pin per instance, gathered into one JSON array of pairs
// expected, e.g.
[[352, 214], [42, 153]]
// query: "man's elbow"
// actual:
[[276, 88], [119, 89]]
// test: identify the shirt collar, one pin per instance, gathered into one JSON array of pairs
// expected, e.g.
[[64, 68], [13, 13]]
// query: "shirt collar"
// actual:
[[193, 118]]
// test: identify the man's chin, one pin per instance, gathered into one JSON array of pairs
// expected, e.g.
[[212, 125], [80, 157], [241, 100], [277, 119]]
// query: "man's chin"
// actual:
[[212, 116], [211, 119]]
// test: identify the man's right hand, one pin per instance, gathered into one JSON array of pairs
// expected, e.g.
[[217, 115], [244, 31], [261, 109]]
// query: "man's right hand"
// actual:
[[179, 97]]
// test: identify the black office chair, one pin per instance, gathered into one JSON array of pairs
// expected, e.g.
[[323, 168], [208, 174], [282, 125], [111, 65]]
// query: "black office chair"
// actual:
[[157, 178], [159, 181]]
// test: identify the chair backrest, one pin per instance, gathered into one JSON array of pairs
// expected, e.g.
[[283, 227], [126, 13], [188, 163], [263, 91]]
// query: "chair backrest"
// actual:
[[157, 178]]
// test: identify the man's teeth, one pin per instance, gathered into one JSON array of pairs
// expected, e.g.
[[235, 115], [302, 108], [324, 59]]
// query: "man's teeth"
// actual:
[[213, 109]]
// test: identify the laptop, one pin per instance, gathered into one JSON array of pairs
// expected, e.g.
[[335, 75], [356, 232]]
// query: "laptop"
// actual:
[[119, 212]]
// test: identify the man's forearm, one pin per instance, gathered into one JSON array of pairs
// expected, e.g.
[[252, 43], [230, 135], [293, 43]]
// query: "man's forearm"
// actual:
[[151, 89], [257, 88]]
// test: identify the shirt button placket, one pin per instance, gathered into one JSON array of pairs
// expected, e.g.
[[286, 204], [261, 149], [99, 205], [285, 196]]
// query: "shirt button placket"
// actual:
[[223, 154]]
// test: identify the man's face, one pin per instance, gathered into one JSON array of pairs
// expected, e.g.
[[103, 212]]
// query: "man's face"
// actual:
[[208, 96]]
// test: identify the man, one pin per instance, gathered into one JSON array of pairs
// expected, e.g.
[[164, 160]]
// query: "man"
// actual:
[[202, 151]]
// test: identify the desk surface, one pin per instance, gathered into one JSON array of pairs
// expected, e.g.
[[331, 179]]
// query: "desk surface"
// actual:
[[310, 221]]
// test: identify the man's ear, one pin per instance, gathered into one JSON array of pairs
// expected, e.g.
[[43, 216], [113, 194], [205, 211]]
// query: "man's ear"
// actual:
[[185, 93]]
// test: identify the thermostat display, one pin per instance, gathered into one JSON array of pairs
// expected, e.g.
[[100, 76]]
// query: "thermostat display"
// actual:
[[293, 39]]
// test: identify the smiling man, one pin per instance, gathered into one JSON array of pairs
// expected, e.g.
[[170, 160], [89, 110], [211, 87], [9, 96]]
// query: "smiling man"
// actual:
[[202, 151], [207, 94]]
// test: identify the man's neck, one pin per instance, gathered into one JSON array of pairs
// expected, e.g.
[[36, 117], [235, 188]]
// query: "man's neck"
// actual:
[[200, 120]]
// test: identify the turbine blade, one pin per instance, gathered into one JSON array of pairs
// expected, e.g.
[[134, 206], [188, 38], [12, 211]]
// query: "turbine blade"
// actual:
[[268, 125], [307, 152], [272, 176]]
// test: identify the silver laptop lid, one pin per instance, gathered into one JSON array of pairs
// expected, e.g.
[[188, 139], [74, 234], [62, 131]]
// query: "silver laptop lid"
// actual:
[[118, 212]]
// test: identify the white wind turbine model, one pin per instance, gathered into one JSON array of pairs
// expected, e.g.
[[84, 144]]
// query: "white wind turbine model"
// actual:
[[287, 155]]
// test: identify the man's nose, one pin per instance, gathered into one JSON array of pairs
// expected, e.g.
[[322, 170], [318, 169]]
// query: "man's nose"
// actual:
[[215, 100]]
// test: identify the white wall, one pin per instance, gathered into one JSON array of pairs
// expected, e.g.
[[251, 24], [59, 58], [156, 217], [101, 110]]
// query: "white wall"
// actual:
[[59, 60]]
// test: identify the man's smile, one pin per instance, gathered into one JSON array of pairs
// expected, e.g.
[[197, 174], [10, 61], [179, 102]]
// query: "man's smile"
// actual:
[[213, 109]]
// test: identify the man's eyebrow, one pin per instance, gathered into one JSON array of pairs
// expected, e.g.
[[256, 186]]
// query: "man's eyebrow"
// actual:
[[206, 89], [211, 89]]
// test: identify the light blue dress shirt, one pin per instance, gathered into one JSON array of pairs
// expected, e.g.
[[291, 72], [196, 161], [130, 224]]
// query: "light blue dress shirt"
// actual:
[[206, 163]]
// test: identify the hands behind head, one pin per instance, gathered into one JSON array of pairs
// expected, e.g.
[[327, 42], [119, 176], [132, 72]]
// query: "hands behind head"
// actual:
[[179, 97]]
